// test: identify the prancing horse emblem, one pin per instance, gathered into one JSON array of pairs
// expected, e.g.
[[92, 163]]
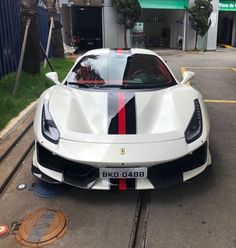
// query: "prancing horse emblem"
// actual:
[[122, 151]]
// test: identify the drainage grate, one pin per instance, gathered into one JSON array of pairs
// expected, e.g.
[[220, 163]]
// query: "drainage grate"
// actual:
[[41, 227]]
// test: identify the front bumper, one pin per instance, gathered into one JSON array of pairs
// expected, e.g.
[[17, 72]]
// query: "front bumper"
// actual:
[[55, 169]]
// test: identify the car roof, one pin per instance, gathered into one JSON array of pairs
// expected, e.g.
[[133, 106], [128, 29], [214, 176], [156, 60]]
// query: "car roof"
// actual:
[[131, 50], [118, 50]]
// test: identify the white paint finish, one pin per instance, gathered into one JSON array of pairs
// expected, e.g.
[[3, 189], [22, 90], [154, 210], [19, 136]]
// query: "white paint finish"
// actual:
[[53, 174], [192, 173], [157, 112], [143, 184], [35, 158], [101, 184], [81, 111], [138, 154]]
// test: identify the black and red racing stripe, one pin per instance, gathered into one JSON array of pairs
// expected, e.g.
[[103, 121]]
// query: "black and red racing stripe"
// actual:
[[121, 113], [122, 184], [122, 120]]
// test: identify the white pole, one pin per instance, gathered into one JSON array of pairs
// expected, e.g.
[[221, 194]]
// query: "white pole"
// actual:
[[49, 41], [21, 57]]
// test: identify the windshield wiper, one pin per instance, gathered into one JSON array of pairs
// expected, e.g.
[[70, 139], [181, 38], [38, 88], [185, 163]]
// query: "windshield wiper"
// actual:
[[132, 85], [141, 86], [110, 86], [80, 85]]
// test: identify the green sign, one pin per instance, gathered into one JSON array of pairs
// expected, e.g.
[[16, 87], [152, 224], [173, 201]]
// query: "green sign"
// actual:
[[227, 5], [163, 4]]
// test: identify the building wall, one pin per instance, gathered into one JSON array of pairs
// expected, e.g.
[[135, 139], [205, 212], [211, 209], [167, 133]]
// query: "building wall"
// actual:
[[157, 20], [113, 32], [208, 42], [109, 27], [113, 35], [189, 32], [176, 21], [233, 42], [211, 36], [66, 20]]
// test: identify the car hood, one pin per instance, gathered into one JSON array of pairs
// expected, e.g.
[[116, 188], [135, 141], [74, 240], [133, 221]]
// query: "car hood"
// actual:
[[122, 115]]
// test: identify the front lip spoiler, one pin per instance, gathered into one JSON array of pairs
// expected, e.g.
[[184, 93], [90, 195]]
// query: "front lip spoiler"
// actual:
[[100, 185]]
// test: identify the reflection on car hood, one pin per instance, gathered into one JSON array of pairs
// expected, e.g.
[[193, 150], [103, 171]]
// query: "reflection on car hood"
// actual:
[[122, 115]]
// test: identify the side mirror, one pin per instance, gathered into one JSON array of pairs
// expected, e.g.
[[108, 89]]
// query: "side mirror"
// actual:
[[188, 75], [52, 76]]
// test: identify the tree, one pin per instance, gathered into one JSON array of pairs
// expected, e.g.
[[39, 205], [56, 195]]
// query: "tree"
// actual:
[[31, 62], [200, 17], [129, 11], [56, 42]]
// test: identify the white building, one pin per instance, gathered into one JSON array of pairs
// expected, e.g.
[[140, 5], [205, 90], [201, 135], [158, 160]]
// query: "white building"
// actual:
[[163, 23]]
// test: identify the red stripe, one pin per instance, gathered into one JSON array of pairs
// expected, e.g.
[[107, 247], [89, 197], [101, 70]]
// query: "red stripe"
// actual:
[[121, 113], [122, 184], [119, 50]]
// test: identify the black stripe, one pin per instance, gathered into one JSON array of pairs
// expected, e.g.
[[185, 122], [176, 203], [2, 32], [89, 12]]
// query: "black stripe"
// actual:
[[112, 113], [114, 184], [130, 114], [130, 111], [130, 183]]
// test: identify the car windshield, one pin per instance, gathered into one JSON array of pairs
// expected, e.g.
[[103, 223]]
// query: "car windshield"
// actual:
[[123, 70]]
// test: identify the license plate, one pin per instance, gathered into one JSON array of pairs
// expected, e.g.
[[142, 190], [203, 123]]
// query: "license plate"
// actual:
[[90, 43], [123, 172]]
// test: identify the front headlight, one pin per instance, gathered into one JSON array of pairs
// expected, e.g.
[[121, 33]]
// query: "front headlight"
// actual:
[[49, 128], [194, 129]]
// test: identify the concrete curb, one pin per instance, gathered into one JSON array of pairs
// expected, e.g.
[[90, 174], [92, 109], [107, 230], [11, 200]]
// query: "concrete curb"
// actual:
[[17, 121]]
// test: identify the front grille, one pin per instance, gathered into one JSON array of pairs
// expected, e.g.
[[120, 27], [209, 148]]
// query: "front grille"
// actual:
[[74, 173], [84, 176]]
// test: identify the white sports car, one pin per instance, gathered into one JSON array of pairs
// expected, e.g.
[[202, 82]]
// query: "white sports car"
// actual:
[[120, 120]]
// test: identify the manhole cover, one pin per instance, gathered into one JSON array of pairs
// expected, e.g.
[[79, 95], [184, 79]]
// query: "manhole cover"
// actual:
[[41, 227]]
